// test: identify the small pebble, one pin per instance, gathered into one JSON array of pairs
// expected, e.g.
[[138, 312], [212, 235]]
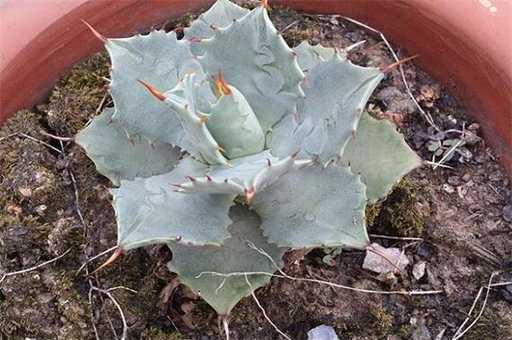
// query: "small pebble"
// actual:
[[418, 271], [322, 332], [40, 209], [25, 192], [448, 188], [424, 250]]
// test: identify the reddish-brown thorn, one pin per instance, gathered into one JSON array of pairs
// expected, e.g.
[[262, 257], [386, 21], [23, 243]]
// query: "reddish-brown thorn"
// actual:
[[269, 162], [192, 179], [386, 69], [221, 86], [295, 154], [208, 178], [249, 195], [177, 185], [294, 54], [117, 253], [96, 33], [157, 94]]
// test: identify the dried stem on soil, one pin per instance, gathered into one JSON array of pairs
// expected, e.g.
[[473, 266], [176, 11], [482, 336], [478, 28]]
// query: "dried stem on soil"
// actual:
[[264, 311], [425, 114], [283, 275], [6, 275], [461, 330], [63, 139], [32, 139], [396, 237], [94, 258], [119, 308]]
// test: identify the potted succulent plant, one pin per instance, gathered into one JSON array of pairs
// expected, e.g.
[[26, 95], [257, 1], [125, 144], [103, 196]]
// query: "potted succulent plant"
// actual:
[[230, 148]]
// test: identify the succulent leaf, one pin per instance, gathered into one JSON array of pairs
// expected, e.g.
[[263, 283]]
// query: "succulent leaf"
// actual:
[[380, 155], [246, 177], [256, 60], [233, 124], [221, 14], [336, 94], [160, 59], [314, 207], [233, 257], [184, 102], [149, 211], [118, 156], [308, 56]]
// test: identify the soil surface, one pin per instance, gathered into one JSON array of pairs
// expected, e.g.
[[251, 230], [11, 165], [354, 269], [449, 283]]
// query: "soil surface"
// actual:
[[460, 213]]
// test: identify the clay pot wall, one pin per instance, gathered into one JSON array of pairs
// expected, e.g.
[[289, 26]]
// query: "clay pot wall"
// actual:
[[464, 44]]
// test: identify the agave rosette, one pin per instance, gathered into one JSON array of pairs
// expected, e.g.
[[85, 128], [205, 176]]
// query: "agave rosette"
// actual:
[[229, 137]]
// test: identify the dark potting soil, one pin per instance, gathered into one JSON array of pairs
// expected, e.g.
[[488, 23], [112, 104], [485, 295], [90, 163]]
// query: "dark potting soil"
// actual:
[[460, 213]]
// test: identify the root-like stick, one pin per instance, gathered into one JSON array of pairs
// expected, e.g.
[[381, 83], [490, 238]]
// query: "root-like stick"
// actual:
[[283, 275], [425, 114], [94, 258], [461, 330], [286, 28], [6, 275], [396, 237], [39, 141], [398, 63], [264, 311], [448, 153], [64, 139], [119, 308]]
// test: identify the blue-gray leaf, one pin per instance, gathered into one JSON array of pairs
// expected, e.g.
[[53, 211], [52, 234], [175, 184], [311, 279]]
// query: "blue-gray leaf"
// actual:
[[149, 211], [314, 207], [118, 156], [235, 256]]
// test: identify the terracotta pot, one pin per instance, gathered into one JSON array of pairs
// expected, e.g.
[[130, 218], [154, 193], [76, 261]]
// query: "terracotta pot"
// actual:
[[464, 44]]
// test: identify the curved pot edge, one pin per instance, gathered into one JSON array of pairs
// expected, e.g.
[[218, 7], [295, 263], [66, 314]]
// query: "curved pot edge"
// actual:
[[485, 88]]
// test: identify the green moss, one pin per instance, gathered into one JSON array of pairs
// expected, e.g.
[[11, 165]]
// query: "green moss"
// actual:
[[154, 333], [382, 321], [302, 27], [405, 331], [492, 325], [76, 97], [404, 211], [372, 212]]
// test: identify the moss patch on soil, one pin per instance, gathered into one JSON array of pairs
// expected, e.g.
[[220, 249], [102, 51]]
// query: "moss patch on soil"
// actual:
[[403, 212]]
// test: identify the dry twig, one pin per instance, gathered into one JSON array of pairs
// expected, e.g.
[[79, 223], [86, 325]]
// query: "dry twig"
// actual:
[[425, 114], [118, 306], [264, 311], [6, 275], [283, 275], [396, 237], [461, 330]]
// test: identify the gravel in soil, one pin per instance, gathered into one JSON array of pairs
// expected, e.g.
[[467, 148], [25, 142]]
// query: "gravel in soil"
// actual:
[[462, 212]]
